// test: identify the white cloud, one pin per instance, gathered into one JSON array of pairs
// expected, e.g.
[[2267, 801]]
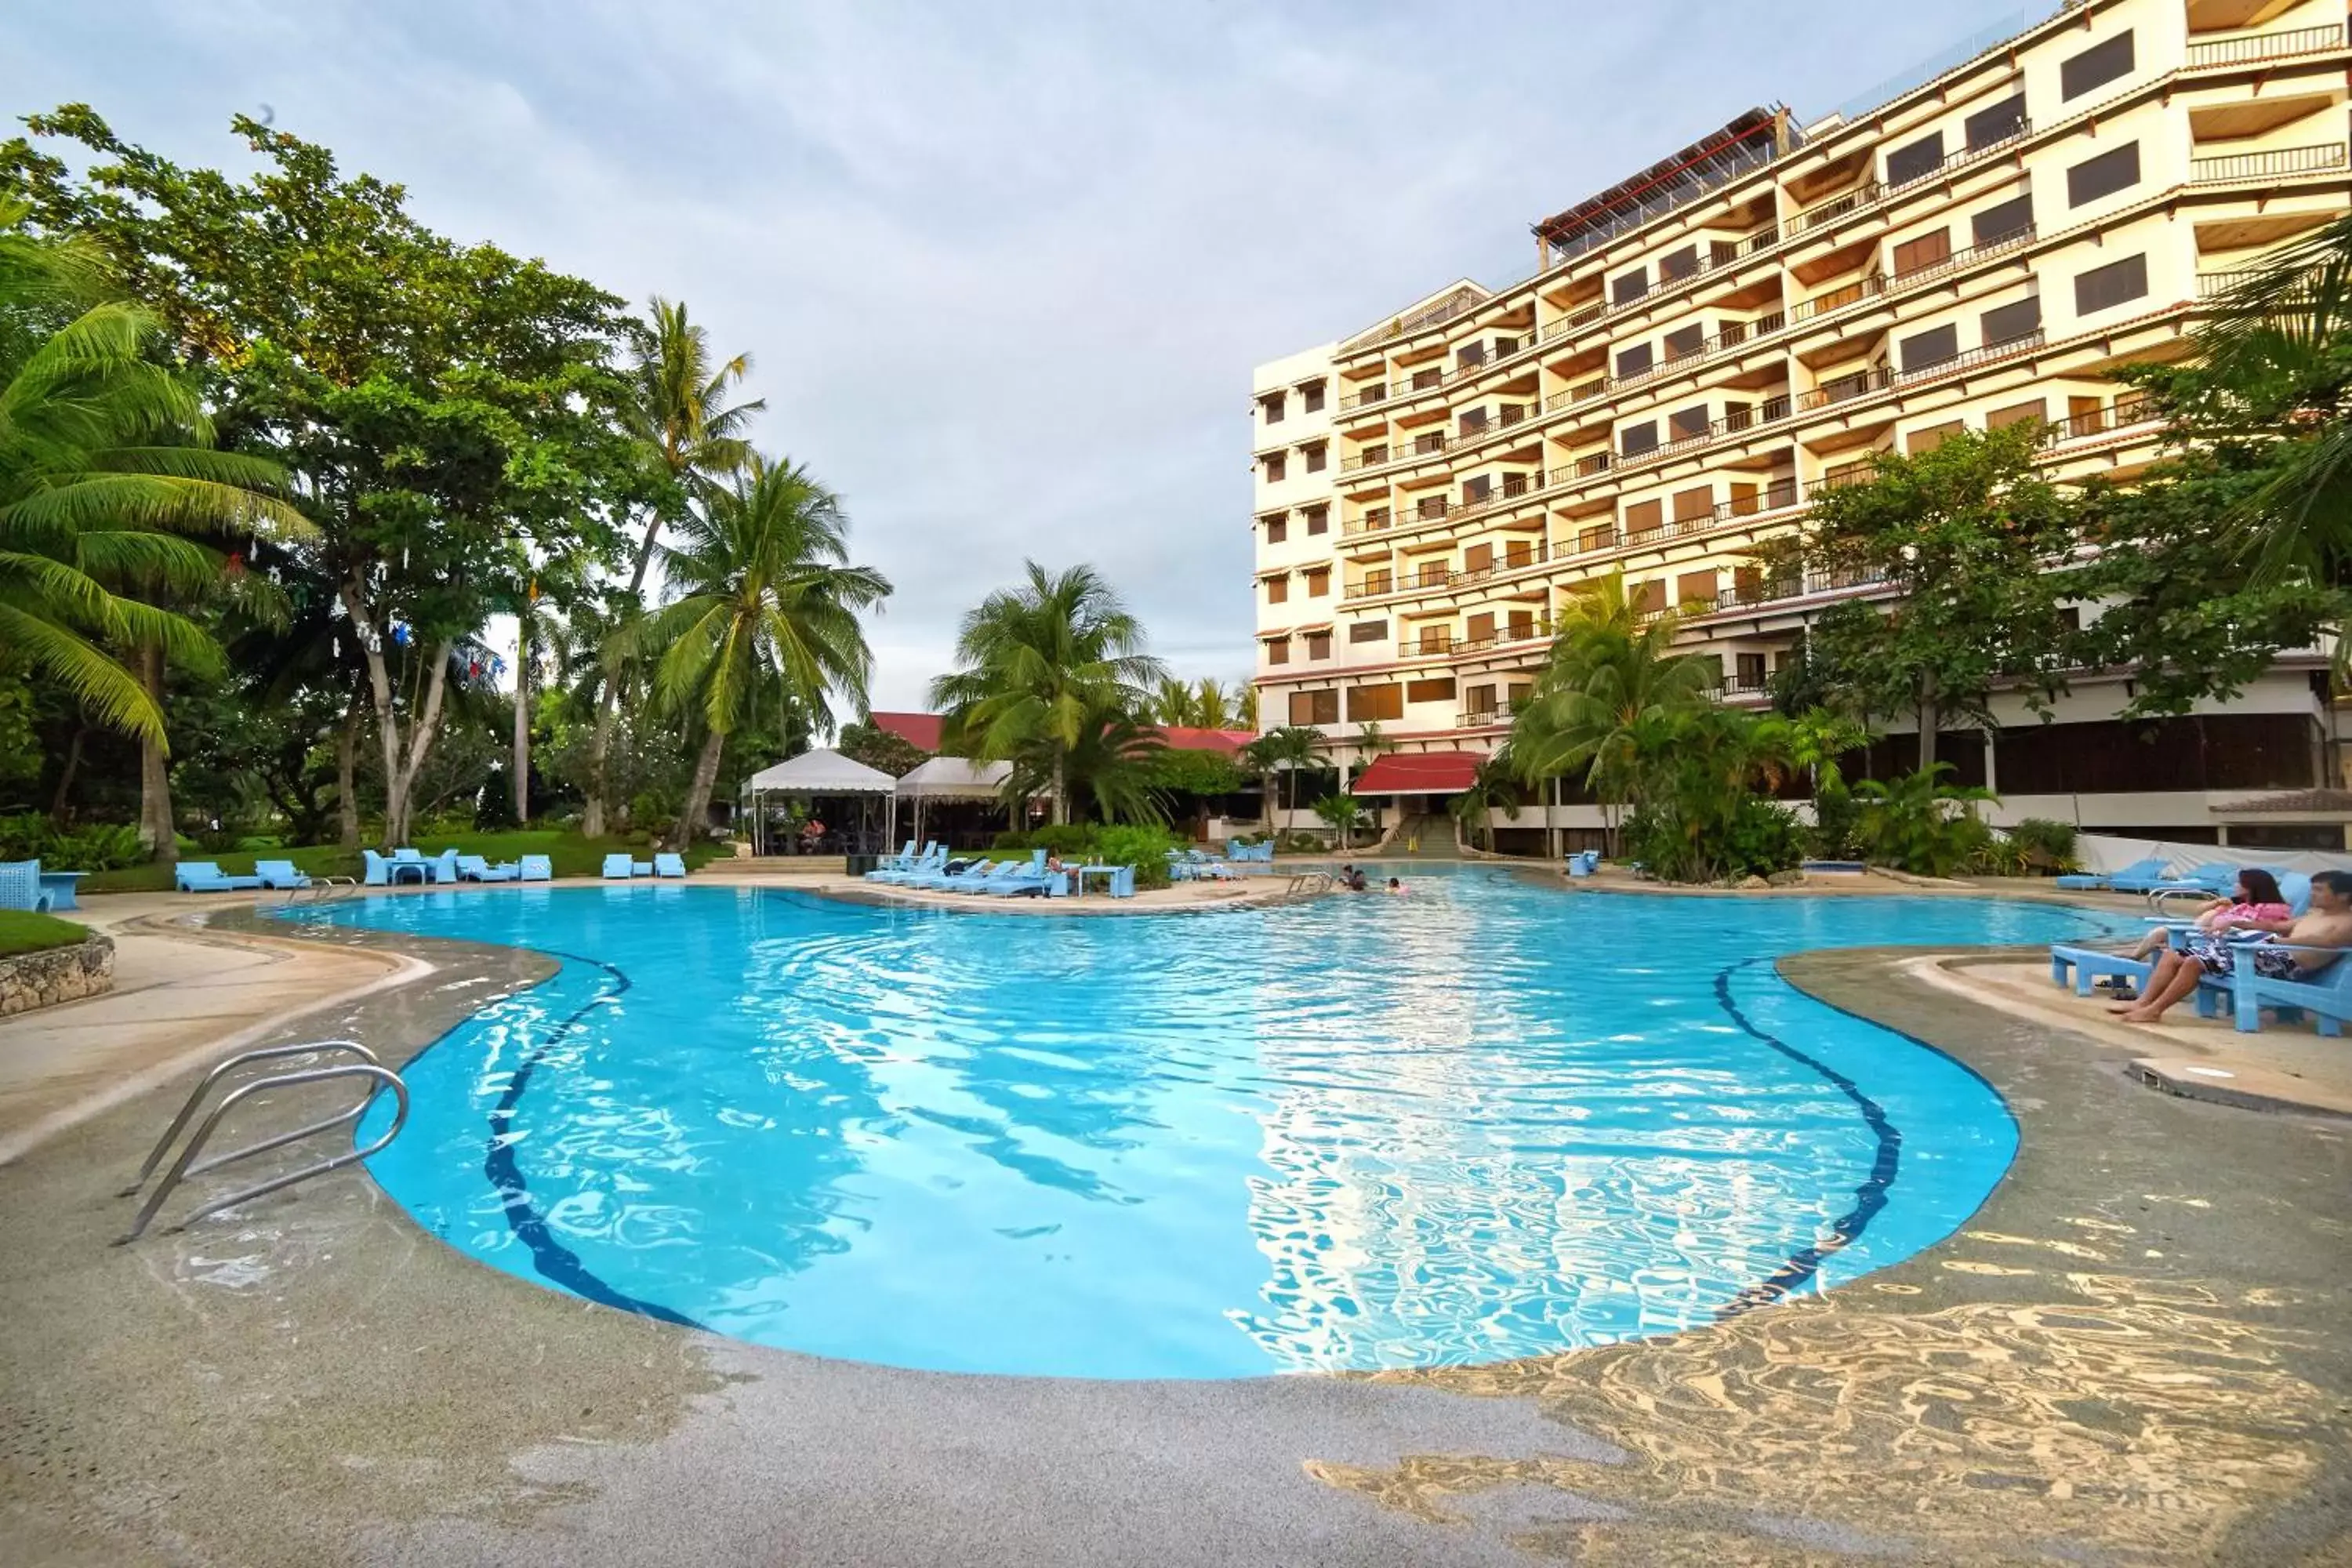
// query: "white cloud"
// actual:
[[1003, 269]]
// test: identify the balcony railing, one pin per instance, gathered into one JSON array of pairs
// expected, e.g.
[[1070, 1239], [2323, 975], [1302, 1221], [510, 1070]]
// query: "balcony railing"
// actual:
[[1423, 446], [1839, 297], [2024, 342], [1853, 200], [2266, 45], [1377, 393], [1844, 388], [1733, 165], [2124, 410], [1871, 193], [2266, 165], [2013, 240]]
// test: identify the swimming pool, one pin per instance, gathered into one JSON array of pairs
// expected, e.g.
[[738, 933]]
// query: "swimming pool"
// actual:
[[1490, 1119]]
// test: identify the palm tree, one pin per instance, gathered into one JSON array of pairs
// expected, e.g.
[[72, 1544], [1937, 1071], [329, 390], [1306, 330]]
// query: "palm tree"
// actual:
[[1372, 743], [765, 597], [106, 478], [1286, 752], [1492, 786], [691, 438], [1607, 698], [1042, 669], [1173, 703], [1211, 707], [1245, 710], [1342, 812]]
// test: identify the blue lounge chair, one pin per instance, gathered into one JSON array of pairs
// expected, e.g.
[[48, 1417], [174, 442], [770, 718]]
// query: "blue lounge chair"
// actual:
[[20, 887], [281, 875], [205, 877], [2327, 997], [971, 875], [378, 869], [2215, 878], [445, 866], [2090, 964], [930, 862], [1017, 877], [535, 868], [2125, 881], [1584, 863], [617, 866], [477, 869], [903, 860], [2141, 871], [1123, 882], [669, 866]]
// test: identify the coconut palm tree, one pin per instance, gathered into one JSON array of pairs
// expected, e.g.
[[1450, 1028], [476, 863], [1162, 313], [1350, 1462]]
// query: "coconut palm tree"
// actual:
[[1245, 707], [1494, 784], [1608, 697], [1042, 669], [1286, 752], [107, 479], [1173, 704], [1211, 710], [765, 596], [691, 438]]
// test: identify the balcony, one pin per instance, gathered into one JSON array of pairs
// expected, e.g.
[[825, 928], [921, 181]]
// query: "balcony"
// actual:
[[2267, 46], [1873, 192], [2014, 239], [1846, 388], [1428, 444], [1371, 396], [1762, 591], [2024, 342], [1838, 299], [2272, 165], [2123, 413]]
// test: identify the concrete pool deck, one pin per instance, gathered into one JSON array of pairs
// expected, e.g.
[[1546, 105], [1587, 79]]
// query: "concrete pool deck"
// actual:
[[2135, 1352]]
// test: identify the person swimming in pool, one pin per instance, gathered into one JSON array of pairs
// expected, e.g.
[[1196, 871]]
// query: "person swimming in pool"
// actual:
[[1396, 888]]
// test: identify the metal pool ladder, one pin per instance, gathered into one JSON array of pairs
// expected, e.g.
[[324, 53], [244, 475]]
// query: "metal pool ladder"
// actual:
[[365, 1066]]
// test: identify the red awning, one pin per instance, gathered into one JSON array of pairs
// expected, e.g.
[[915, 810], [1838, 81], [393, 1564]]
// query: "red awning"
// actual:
[[1418, 772]]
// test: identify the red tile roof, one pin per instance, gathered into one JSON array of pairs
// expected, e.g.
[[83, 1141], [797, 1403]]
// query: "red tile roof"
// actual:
[[917, 730], [1223, 741], [1418, 772]]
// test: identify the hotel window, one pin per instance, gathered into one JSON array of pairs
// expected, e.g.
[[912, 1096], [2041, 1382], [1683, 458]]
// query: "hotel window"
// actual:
[[1696, 588], [1636, 439], [1424, 379], [1473, 422], [1315, 707], [1915, 159], [1383, 703], [1319, 645], [1678, 264], [1629, 285], [1647, 598], [1478, 558], [2103, 175], [1685, 423], [1925, 250], [1277, 650], [2007, 323], [1996, 223], [1933, 437], [1277, 530], [1315, 459], [1521, 625], [1375, 518], [1311, 396], [1318, 519], [1368, 631], [1695, 505], [1437, 688], [1998, 123], [1633, 361], [1469, 356], [1644, 518], [1274, 468], [1747, 584], [1480, 627], [1684, 341], [2096, 67], [2030, 412], [1478, 699], [1477, 489], [1318, 581], [2104, 287], [1430, 506], [1272, 404], [1931, 347], [1751, 670], [1277, 590]]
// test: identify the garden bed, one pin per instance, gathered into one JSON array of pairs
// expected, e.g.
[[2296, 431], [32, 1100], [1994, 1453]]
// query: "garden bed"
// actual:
[[45, 961]]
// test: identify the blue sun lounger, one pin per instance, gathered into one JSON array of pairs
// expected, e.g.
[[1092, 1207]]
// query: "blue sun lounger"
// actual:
[[618, 866], [205, 877], [2142, 872], [478, 869], [971, 875], [2327, 997], [280, 875], [669, 866], [934, 858], [535, 868]]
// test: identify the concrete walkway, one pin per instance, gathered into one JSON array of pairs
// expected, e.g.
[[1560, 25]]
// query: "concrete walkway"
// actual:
[[180, 995]]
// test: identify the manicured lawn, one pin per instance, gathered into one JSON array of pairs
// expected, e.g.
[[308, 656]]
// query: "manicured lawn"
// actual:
[[23, 932], [569, 853]]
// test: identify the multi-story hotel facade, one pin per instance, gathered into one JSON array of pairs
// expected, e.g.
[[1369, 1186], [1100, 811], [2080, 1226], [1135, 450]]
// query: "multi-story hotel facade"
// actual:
[[1704, 346]]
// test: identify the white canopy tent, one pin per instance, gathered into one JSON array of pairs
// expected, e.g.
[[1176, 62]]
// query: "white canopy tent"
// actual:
[[953, 778], [819, 772]]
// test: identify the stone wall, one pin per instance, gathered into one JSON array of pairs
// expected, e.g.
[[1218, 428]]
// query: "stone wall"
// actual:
[[33, 980]]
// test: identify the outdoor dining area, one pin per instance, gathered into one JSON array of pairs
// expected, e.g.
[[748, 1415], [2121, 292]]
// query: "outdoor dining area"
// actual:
[[823, 802]]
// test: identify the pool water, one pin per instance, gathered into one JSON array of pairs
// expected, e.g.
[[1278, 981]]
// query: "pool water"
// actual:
[[1489, 1119]]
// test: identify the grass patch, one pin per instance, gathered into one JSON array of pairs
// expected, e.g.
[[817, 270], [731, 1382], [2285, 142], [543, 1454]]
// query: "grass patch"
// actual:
[[21, 930], [570, 854]]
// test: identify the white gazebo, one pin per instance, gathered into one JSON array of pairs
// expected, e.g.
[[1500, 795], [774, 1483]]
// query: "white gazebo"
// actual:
[[953, 778], [814, 774]]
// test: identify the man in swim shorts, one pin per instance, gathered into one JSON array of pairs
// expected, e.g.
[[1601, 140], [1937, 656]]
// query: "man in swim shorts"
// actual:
[[2298, 948]]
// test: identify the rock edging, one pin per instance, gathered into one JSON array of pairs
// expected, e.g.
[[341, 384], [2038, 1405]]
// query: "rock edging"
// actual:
[[56, 975]]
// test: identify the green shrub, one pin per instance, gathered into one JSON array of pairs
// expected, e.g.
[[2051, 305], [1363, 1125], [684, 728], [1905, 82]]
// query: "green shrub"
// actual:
[[1068, 839], [1755, 837], [1837, 816], [1762, 837], [2048, 847], [1921, 824], [1145, 848]]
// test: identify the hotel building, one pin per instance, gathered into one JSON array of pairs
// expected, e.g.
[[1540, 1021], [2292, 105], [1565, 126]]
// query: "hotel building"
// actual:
[[1706, 345]]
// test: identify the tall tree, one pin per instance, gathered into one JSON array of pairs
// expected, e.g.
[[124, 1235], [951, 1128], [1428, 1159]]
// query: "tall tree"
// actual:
[[765, 593], [1045, 671], [434, 402], [1174, 703], [690, 438], [1965, 538], [1212, 709], [1284, 753]]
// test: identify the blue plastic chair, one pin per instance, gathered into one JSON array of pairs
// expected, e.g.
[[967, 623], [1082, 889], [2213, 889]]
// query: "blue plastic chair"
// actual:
[[2328, 998], [281, 875], [675, 864], [205, 877], [618, 866], [535, 868], [378, 869], [20, 887]]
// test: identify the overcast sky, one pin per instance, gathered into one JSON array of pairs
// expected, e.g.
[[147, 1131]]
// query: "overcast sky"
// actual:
[[1003, 269]]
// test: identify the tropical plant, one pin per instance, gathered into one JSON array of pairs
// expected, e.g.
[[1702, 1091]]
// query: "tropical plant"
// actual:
[[1246, 713], [1496, 783], [765, 593], [1283, 754], [107, 481], [1050, 678], [1371, 744], [1174, 702], [1919, 823], [1212, 707], [1341, 813], [2047, 846], [886, 750]]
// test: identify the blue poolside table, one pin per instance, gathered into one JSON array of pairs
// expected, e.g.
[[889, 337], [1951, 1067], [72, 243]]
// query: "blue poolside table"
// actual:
[[59, 885]]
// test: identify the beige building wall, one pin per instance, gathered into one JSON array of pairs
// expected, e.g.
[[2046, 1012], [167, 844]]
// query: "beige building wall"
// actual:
[[1980, 249]]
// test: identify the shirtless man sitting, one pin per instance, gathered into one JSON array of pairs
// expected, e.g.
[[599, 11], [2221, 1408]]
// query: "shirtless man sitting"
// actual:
[[2299, 949]]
